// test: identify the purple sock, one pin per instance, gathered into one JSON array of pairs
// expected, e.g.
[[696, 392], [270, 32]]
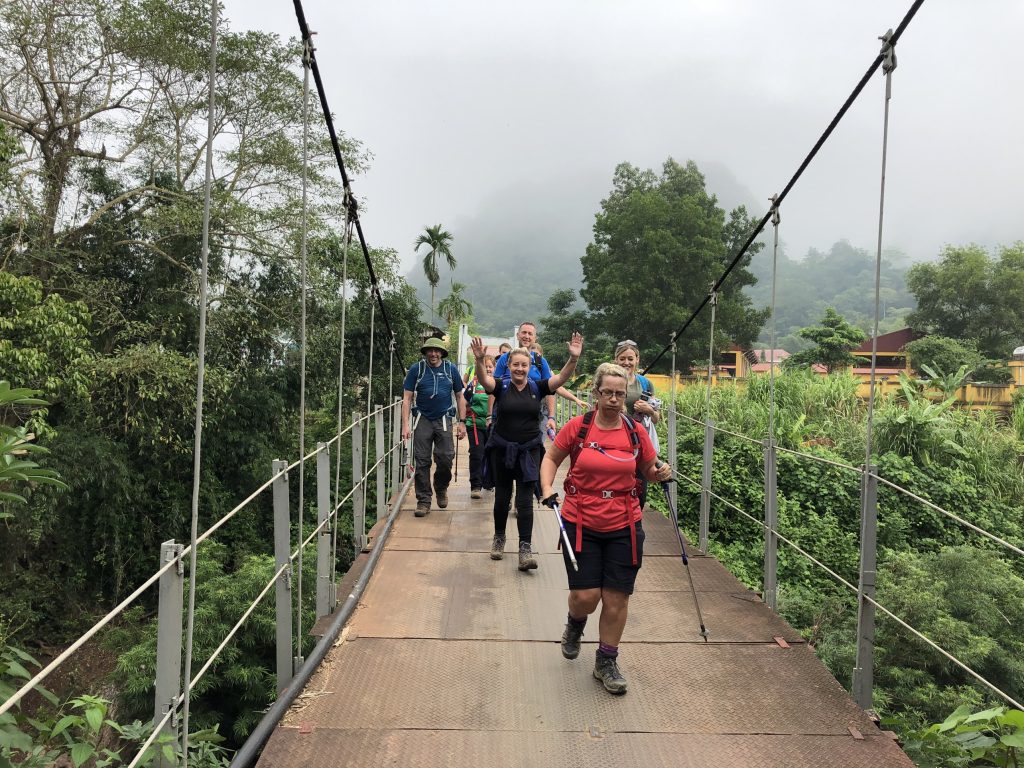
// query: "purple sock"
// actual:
[[608, 650]]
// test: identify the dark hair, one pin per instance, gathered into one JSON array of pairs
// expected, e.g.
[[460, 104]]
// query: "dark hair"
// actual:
[[528, 322]]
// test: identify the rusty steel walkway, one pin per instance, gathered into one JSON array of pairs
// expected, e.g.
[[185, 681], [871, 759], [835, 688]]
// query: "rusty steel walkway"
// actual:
[[452, 659]]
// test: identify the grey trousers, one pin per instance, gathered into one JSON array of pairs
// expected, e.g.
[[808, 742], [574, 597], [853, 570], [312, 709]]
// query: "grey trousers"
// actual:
[[431, 441]]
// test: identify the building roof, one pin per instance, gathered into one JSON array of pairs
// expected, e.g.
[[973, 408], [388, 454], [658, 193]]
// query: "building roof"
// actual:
[[891, 342]]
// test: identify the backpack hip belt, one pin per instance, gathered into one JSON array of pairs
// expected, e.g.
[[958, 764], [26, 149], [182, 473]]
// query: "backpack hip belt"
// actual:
[[572, 490]]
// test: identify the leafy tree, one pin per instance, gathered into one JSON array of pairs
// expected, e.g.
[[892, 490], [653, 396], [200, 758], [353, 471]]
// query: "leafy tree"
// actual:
[[660, 241], [942, 353], [833, 339], [559, 323], [455, 305], [969, 295], [439, 244], [44, 341]]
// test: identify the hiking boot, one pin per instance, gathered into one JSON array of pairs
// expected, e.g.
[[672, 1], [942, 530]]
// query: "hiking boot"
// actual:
[[476, 494], [606, 669], [527, 561], [498, 548], [442, 498], [422, 508], [571, 639]]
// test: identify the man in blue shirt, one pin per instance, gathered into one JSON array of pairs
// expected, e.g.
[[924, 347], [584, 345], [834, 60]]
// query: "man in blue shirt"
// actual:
[[433, 382], [539, 370]]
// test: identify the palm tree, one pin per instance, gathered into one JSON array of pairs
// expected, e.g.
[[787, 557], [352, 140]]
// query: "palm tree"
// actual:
[[439, 242], [455, 306]]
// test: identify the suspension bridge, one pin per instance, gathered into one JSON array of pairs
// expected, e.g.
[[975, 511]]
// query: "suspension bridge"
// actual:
[[429, 653]]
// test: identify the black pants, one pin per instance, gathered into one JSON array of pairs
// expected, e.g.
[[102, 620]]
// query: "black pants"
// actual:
[[503, 479], [432, 442], [477, 437]]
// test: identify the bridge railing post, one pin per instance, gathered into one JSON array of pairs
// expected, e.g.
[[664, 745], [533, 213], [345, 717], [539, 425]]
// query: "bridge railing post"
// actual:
[[168, 641], [378, 433], [358, 486], [771, 521], [671, 454], [396, 438], [705, 491], [283, 588], [324, 603], [863, 671]]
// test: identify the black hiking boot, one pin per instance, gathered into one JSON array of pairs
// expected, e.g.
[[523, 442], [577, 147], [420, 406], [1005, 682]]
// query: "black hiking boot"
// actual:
[[527, 561], [571, 639], [606, 669]]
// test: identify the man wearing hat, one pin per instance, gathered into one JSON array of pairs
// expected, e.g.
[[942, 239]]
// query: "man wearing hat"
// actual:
[[433, 382]]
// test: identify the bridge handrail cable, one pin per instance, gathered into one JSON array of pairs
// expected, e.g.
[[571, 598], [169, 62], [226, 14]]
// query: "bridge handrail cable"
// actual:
[[991, 686]]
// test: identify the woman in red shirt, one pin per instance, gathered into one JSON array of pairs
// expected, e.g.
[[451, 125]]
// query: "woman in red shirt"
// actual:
[[602, 516]]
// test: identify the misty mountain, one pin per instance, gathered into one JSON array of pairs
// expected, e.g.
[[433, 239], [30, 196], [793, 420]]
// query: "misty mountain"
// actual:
[[525, 242], [842, 277]]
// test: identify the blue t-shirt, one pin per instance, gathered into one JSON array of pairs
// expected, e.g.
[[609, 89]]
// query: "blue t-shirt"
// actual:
[[433, 395], [538, 371]]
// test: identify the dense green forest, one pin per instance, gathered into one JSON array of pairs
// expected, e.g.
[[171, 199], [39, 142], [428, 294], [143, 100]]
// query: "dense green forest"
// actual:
[[101, 204]]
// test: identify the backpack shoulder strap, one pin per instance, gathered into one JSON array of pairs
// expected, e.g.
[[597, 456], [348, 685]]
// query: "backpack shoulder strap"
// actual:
[[419, 376], [588, 418], [631, 427]]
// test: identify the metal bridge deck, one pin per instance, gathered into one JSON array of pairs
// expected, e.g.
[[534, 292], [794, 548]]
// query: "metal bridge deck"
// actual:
[[452, 659]]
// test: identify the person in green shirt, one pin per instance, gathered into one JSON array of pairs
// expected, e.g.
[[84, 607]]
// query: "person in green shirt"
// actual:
[[478, 422]]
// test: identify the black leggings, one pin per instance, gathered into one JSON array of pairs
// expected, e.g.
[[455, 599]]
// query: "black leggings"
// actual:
[[503, 479]]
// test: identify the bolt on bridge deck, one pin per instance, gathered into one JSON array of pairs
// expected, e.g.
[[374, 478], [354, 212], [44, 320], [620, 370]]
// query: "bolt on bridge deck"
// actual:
[[452, 659]]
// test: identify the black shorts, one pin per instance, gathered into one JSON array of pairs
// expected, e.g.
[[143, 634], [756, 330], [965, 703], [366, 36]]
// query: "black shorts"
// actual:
[[605, 560]]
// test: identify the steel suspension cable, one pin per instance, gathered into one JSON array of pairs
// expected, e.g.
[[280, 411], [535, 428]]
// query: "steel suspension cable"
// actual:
[[868, 514], [391, 390], [300, 15], [799, 172], [776, 220], [369, 421], [890, 65], [711, 356], [341, 388], [302, 343], [200, 375]]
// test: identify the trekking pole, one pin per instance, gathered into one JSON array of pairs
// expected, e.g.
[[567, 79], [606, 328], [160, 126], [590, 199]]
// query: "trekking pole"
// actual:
[[686, 562], [455, 444], [552, 501]]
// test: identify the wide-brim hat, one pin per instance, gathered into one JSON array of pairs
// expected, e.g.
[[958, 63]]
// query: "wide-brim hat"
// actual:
[[434, 343]]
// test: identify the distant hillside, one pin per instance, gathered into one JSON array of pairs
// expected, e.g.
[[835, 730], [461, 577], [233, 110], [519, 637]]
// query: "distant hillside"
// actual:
[[843, 277], [525, 243]]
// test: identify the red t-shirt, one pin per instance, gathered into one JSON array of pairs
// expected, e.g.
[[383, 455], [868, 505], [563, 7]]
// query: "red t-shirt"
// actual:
[[593, 470]]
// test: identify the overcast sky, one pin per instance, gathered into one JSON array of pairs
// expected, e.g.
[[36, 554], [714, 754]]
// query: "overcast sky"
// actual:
[[466, 101]]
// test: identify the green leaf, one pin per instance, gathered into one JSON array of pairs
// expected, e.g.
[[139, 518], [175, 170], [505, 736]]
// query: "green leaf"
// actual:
[[80, 753], [94, 716], [64, 723], [958, 716], [14, 668], [1012, 717], [47, 694], [23, 655], [168, 752], [1013, 740], [987, 714]]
